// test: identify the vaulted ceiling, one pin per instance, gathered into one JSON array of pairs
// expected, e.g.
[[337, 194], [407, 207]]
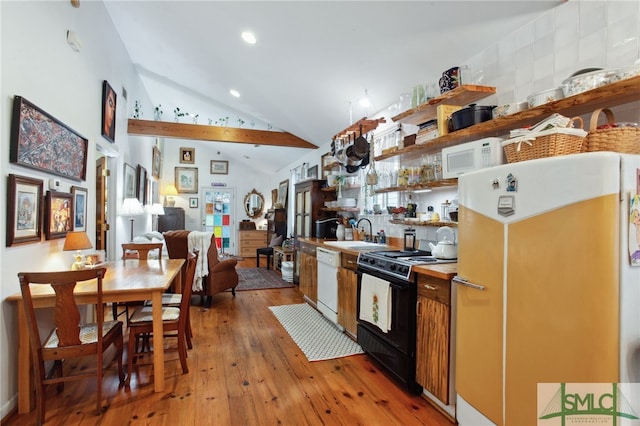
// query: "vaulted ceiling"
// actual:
[[312, 62]]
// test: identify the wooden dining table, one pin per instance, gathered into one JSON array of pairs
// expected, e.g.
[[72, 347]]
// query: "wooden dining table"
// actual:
[[127, 280]]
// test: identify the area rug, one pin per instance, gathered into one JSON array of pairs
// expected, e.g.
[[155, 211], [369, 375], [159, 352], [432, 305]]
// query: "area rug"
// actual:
[[317, 337], [259, 279]]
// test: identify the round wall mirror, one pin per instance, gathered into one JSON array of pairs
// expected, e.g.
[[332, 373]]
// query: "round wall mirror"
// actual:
[[254, 204]]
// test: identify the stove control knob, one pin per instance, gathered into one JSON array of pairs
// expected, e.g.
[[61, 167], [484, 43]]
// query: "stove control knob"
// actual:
[[393, 267], [403, 269], [372, 261]]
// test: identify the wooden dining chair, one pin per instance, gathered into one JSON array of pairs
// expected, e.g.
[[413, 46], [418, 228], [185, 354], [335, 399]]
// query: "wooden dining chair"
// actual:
[[138, 251], [174, 323], [70, 338]]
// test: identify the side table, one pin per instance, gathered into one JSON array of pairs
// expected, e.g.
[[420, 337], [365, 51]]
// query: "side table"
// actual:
[[282, 255]]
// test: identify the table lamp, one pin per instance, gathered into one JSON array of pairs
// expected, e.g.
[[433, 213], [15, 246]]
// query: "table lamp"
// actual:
[[156, 210], [169, 190], [77, 240], [131, 207]]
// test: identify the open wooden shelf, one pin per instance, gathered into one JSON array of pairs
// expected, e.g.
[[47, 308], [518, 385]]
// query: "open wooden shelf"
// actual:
[[367, 126], [435, 184]]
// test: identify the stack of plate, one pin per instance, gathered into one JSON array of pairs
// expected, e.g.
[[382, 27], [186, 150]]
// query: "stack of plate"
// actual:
[[346, 202]]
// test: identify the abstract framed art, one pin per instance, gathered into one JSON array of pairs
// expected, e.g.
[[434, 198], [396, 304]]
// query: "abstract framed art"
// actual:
[[24, 210], [39, 141]]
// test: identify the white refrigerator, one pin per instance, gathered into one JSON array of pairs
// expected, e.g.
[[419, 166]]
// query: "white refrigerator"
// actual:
[[546, 289]]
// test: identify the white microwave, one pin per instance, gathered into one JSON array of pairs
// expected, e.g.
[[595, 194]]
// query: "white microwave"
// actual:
[[471, 156]]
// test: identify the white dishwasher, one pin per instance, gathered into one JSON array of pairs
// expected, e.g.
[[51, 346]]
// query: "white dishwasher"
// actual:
[[328, 264]]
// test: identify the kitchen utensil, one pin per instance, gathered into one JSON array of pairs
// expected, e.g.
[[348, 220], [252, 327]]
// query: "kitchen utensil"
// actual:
[[450, 79], [586, 81], [508, 109], [360, 146], [545, 96], [471, 115], [446, 248], [409, 239]]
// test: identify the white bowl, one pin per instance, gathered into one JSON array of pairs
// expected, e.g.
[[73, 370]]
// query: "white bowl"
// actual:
[[587, 81], [545, 96], [508, 109]]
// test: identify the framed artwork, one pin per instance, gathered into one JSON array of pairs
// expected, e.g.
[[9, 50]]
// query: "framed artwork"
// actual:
[[156, 163], [187, 155], [24, 210], [108, 112], [58, 215], [312, 172], [282, 193], [193, 203], [79, 207], [187, 180], [130, 181], [219, 167], [41, 142], [141, 184]]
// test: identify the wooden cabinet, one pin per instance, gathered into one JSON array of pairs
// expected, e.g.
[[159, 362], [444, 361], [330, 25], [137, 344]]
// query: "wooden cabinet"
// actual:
[[308, 272], [433, 336], [251, 240], [172, 219], [348, 294]]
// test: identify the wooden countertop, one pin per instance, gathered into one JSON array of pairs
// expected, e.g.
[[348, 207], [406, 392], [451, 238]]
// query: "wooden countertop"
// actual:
[[444, 271]]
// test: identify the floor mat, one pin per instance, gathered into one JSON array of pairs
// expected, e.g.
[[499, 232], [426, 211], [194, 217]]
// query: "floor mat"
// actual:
[[259, 278], [316, 336]]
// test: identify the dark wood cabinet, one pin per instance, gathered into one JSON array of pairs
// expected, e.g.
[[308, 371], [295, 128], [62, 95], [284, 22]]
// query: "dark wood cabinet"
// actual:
[[310, 200], [172, 219]]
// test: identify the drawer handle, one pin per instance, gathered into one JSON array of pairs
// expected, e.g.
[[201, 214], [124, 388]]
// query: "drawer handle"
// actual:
[[351, 262], [464, 282], [430, 287]]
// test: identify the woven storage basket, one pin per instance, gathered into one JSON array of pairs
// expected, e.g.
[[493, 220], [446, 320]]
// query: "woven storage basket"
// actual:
[[619, 139], [548, 143]]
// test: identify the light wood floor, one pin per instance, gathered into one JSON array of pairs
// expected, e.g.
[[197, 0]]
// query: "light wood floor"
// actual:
[[244, 369]]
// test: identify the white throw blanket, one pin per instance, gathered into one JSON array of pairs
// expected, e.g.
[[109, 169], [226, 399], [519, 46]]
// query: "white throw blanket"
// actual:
[[201, 241], [375, 302]]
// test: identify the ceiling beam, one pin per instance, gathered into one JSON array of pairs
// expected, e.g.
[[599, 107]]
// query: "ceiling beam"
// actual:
[[215, 133]]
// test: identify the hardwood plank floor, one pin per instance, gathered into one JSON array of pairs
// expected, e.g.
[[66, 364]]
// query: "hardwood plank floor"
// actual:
[[244, 369]]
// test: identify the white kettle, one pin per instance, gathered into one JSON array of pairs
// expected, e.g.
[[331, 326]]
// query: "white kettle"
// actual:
[[446, 247]]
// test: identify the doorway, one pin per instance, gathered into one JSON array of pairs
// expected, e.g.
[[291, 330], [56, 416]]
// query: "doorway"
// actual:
[[102, 207], [219, 216]]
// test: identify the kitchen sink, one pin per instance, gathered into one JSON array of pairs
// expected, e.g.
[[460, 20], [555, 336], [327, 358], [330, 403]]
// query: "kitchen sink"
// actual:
[[356, 245]]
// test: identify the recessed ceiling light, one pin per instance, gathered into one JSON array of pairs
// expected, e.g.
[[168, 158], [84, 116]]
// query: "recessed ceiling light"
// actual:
[[234, 93], [249, 37]]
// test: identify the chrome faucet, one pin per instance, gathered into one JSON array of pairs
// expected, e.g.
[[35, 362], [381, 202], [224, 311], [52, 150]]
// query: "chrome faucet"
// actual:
[[370, 237]]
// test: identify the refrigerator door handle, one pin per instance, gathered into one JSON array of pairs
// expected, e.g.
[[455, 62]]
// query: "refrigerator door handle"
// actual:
[[462, 281]]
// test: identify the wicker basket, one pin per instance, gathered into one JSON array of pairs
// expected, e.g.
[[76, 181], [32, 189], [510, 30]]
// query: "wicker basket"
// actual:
[[619, 139], [548, 143]]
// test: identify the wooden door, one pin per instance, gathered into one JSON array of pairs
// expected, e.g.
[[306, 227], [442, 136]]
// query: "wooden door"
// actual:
[[308, 276], [219, 216], [432, 347], [102, 225], [348, 300]]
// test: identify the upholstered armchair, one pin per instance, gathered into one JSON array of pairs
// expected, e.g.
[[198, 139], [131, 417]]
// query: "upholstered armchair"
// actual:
[[222, 273]]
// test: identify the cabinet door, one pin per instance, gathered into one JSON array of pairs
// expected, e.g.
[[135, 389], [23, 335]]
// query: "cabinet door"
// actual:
[[347, 300], [308, 276], [432, 347]]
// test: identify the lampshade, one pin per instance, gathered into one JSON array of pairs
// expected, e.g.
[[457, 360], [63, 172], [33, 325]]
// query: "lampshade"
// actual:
[[156, 208], [131, 207], [76, 240], [170, 190]]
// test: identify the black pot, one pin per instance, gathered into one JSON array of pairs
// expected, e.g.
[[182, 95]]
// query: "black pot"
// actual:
[[471, 115]]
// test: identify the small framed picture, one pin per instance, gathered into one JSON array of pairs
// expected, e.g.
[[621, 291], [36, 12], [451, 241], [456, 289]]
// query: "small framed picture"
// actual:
[[283, 188], [219, 167], [187, 180], [24, 210], [130, 181], [193, 202], [141, 184], [156, 165], [108, 112], [79, 207], [312, 172], [59, 215], [187, 155]]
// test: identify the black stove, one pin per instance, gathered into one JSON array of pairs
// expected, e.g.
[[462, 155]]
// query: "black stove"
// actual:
[[397, 263]]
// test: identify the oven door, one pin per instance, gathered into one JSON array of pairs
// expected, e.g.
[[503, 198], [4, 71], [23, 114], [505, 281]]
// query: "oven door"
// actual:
[[401, 330]]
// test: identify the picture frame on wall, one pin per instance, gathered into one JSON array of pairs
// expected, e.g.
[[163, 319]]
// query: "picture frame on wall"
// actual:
[[24, 210], [58, 215], [130, 181], [312, 172], [283, 188], [187, 155], [218, 167], [108, 112], [186, 180], [141, 184], [41, 142], [156, 164], [79, 208], [193, 202]]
